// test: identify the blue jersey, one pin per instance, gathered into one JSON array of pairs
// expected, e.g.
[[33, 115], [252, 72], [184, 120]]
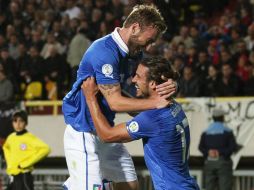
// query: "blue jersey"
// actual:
[[102, 60], [166, 140]]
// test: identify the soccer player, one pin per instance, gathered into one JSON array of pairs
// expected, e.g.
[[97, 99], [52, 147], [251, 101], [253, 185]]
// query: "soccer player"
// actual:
[[88, 159], [165, 131]]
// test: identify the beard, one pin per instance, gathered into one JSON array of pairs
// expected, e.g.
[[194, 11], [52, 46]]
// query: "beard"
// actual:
[[134, 47]]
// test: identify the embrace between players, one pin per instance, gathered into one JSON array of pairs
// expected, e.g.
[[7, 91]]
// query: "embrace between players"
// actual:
[[89, 113]]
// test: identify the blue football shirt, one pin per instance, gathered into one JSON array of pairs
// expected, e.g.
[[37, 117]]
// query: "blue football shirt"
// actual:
[[102, 60], [166, 140]]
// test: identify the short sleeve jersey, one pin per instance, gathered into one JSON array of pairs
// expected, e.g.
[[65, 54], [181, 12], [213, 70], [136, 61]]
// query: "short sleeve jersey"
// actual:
[[102, 60], [166, 139]]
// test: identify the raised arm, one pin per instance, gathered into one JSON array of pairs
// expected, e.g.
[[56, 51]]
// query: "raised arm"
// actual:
[[119, 103], [106, 133]]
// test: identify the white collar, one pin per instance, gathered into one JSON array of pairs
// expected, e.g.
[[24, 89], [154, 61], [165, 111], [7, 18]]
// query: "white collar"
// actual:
[[117, 38]]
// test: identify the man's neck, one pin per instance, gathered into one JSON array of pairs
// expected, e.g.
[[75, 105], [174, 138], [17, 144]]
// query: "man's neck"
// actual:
[[123, 32]]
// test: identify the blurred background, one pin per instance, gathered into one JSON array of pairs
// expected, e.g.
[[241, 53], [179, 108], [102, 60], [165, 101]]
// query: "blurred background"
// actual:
[[210, 43]]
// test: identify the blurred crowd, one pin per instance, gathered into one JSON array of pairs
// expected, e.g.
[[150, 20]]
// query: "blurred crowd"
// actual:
[[210, 44]]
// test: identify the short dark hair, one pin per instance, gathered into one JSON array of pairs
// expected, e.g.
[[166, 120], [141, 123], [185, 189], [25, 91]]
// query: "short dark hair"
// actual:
[[218, 118], [159, 67], [20, 114], [146, 15]]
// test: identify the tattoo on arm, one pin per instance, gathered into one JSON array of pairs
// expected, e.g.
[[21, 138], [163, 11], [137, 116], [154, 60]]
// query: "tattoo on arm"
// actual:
[[109, 89]]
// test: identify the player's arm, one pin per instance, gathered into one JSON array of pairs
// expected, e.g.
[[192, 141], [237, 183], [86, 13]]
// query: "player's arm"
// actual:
[[119, 103], [106, 133]]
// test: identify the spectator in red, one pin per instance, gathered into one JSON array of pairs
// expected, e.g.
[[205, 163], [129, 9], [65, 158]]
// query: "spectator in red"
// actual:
[[213, 53], [243, 69]]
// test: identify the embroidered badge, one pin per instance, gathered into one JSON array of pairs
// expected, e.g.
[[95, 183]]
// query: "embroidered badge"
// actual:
[[107, 70], [133, 126], [23, 146]]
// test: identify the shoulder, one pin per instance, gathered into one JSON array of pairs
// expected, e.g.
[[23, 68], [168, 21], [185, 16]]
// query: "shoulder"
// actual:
[[30, 135], [175, 110], [147, 115], [151, 117], [10, 136], [104, 48], [227, 129]]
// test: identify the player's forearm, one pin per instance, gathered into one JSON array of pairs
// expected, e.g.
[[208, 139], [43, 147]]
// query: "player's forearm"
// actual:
[[101, 124], [119, 103], [124, 104]]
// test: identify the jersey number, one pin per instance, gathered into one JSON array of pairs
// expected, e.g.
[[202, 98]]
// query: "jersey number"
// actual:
[[180, 129]]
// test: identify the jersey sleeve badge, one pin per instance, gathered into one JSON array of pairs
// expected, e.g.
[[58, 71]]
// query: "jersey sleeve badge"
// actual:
[[133, 127], [107, 70]]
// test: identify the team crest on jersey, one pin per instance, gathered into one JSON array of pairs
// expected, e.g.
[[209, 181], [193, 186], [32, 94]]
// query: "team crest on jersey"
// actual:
[[97, 187], [23, 146], [107, 70], [133, 127]]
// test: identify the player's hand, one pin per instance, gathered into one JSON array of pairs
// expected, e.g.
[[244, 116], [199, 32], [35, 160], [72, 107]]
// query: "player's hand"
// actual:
[[167, 89], [162, 101], [90, 88]]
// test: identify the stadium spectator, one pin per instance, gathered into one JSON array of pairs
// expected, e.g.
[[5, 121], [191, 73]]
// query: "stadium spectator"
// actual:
[[3, 23], [72, 10], [229, 83], [181, 51], [58, 32], [192, 56], [55, 71], [197, 39], [51, 43], [78, 46], [200, 67], [169, 53], [178, 64], [209, 88], [189, 83], [166, 128], [249, 39], [225, 58], [6, 88], [241, 52], [37, 67], [217, 144], [183, 37], [9, 66], [2, 41], [13, 46], [37, 40], [22, 150], [97, 16], [117, 7], [243, 68], [249, 87]]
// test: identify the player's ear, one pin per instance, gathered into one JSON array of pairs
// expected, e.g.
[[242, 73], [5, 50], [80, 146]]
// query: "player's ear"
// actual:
[[136, 28], [152, 84]]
